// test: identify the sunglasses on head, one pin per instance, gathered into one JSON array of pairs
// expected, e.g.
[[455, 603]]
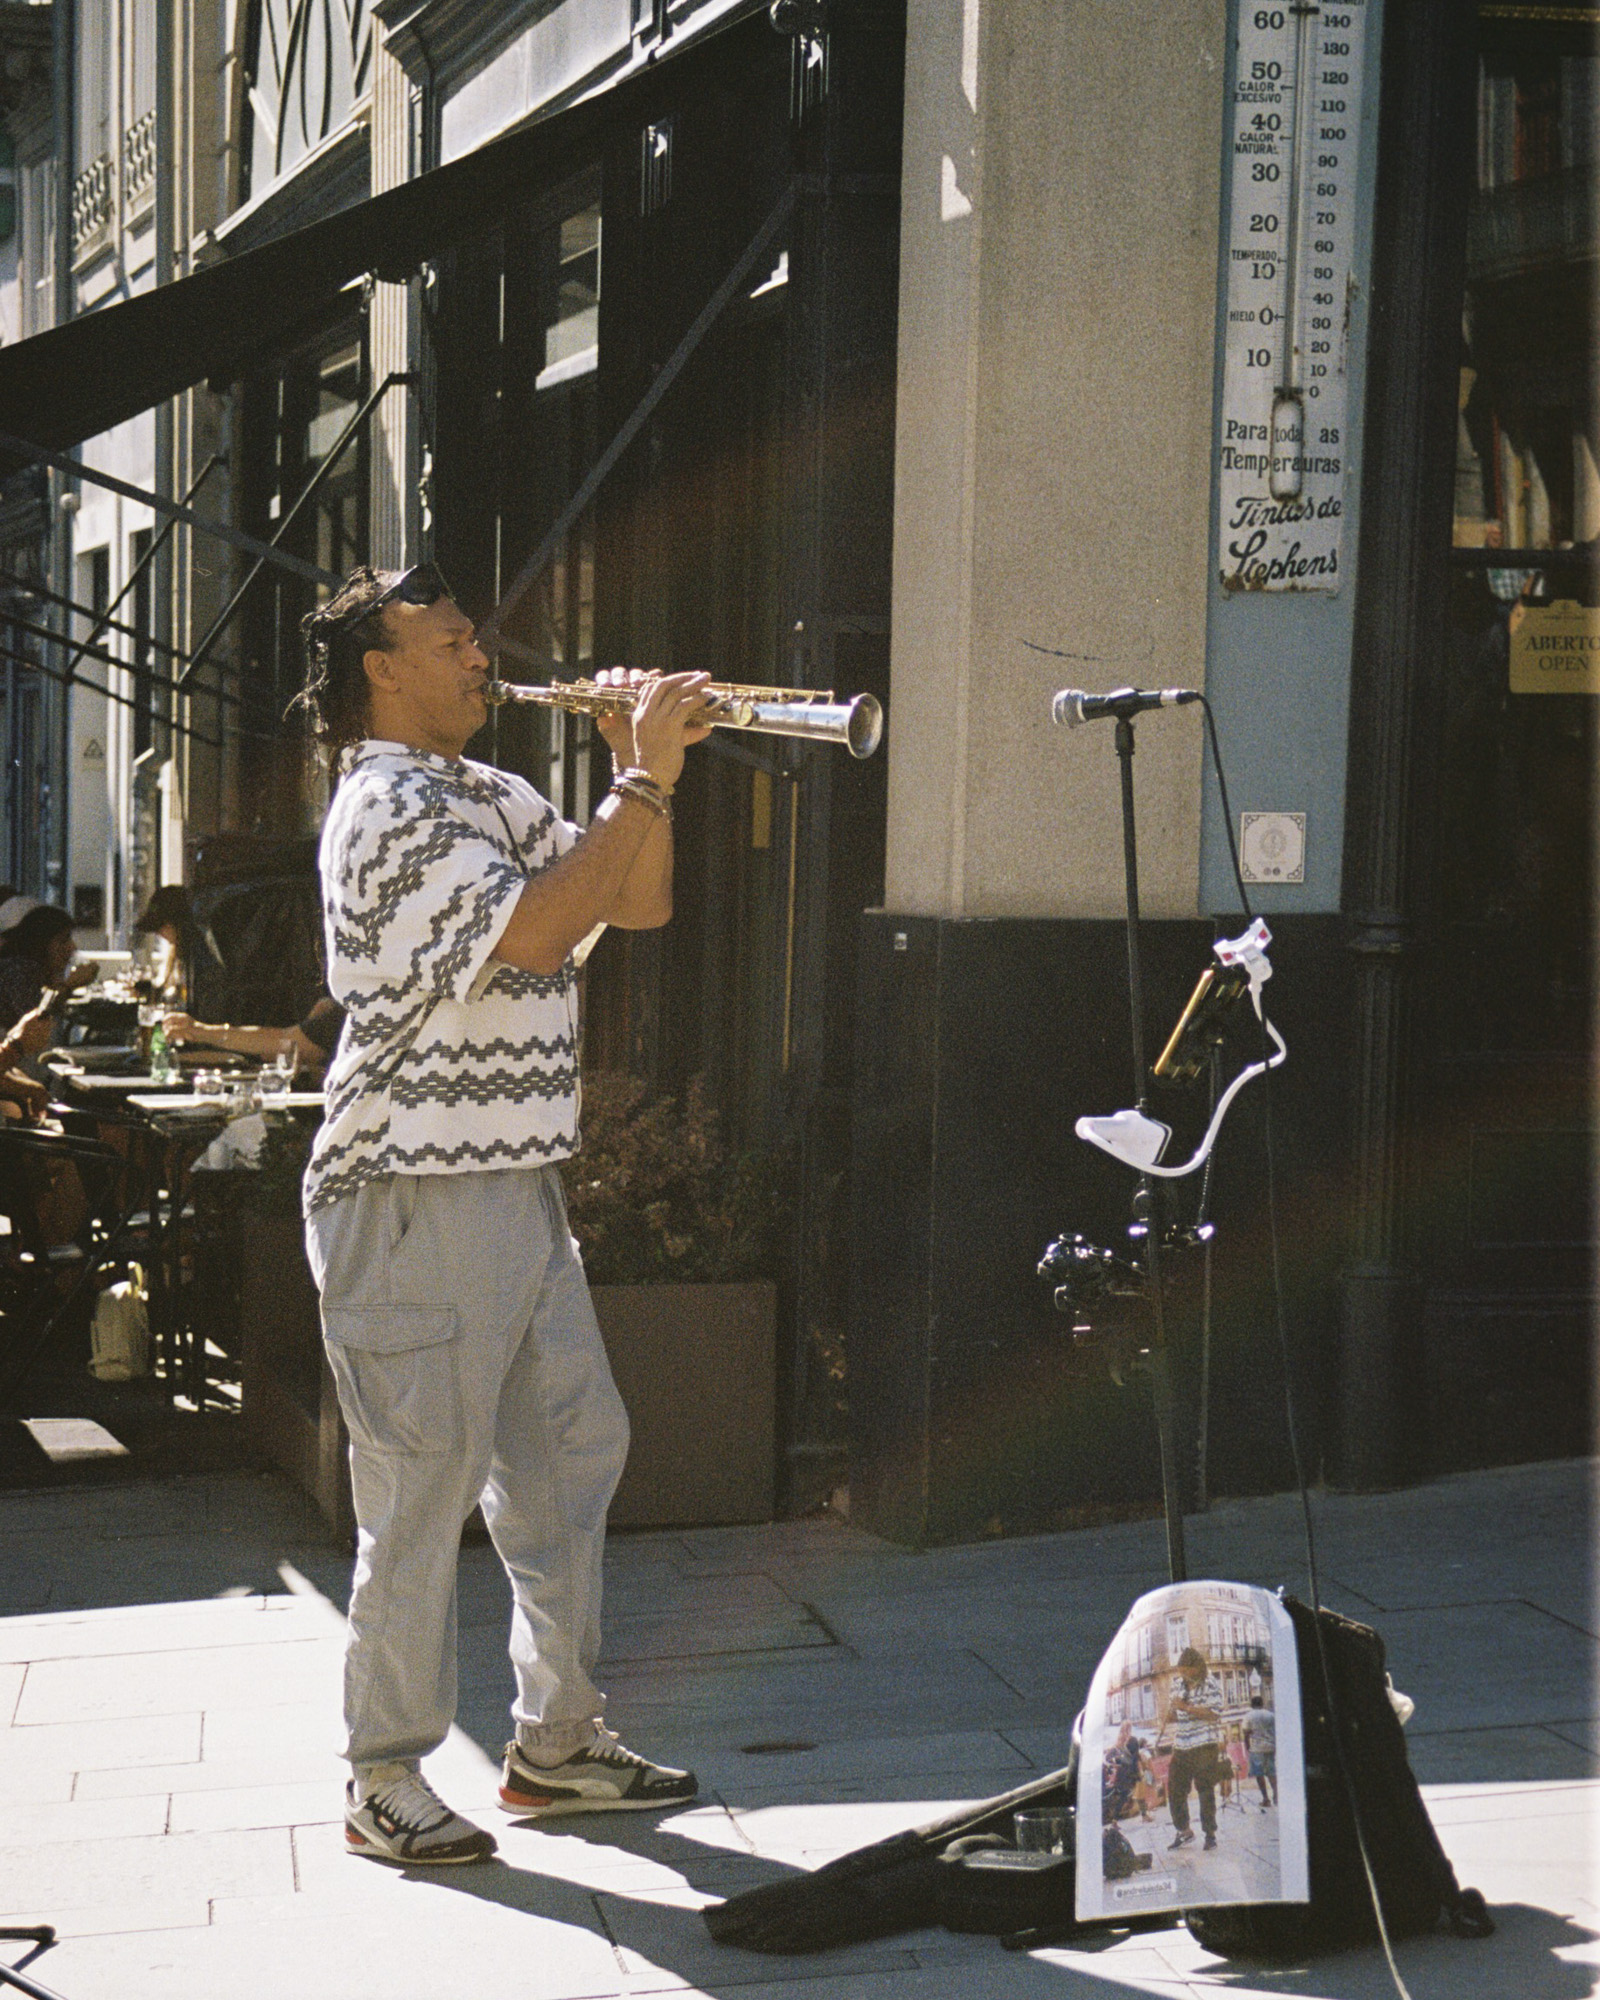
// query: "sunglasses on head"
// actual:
[[423, 584]]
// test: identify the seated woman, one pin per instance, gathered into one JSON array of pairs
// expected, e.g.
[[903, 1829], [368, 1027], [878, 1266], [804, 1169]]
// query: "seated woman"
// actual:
[[36, 964], [36, 975], [311, 1042]]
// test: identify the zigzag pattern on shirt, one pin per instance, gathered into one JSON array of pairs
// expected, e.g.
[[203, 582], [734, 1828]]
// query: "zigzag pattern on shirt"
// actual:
[[421, 859], [363, 932], [516, 984], [501, 1086], [501, 1152], [438, 1055]]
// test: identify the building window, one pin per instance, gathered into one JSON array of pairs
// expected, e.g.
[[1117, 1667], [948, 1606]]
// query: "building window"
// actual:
[[1177, 1637], [1526, 470], [655, 167], [93, 185], [340, 527], [1515, 779], [37, 277], [308, 63], [572, 300], [139, 129]]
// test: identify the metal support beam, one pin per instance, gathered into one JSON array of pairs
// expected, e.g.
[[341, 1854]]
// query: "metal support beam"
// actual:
[[103, 619], [173, 509]]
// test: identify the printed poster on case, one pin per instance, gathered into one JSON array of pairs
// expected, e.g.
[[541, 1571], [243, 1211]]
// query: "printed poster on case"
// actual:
[[1191, 1788]]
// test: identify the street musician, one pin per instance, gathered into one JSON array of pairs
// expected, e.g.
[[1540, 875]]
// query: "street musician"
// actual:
[[454, 1307]]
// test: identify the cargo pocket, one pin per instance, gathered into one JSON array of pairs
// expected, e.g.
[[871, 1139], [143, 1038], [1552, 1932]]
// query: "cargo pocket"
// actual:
[[396, 1371]]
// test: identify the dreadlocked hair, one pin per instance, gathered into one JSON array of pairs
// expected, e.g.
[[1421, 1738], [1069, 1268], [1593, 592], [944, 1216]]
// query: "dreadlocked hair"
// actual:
[[337, 634]]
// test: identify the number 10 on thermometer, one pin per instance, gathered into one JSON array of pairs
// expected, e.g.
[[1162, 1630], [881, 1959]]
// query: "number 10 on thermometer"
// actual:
[[1294, 141]]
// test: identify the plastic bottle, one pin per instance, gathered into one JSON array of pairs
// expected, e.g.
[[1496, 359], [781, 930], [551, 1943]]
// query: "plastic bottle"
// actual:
[[160, 1055]]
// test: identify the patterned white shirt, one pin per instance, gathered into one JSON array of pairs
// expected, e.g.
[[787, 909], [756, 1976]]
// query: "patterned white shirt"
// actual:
[[451, 1061], [1189, 1732]]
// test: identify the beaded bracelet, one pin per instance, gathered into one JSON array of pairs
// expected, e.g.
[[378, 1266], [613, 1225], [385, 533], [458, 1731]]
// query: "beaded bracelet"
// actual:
[[630, 788], [638, 774]]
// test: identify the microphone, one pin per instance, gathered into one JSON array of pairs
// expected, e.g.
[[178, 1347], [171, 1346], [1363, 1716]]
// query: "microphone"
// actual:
[[1072, 706]]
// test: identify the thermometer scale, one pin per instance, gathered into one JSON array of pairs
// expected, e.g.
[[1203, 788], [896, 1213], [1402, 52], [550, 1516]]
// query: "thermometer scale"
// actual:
[[1296, 128]]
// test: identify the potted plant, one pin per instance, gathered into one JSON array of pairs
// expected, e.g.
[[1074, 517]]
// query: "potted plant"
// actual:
[[678, 1238]]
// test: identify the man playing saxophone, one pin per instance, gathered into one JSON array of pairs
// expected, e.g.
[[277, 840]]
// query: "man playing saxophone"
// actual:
[[455, 1312]]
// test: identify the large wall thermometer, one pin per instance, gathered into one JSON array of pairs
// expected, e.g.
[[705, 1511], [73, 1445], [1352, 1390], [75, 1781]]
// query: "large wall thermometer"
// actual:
[[1296, 128]]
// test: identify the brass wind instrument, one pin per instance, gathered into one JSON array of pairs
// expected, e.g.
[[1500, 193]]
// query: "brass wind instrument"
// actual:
[[806, 712]]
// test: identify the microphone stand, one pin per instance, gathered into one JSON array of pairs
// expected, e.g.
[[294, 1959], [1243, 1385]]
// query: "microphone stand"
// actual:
[[1146, 1197]]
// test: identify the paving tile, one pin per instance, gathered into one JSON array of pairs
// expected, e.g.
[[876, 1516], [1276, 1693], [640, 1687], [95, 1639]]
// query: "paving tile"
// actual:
[[126, 1869], [11, 1679], [104, 1919], [427, 1945], [108, 1819], [659, 1940], [1473, 1666], [276, 1729], [86, 1745], [921, 1788], [214, 1677], [167, 1628], [258, 1804], [24, 1581], [284, 1766], [1480, 1755], [779, 1626], [1501, 1805], [21, 1786], [862, 1760]]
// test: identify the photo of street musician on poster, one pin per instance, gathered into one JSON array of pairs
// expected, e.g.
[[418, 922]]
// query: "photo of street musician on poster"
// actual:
[[1191, 1786]]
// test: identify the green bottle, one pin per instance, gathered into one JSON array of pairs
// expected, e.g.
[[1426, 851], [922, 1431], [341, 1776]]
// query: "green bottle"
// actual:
[[160, 1055]]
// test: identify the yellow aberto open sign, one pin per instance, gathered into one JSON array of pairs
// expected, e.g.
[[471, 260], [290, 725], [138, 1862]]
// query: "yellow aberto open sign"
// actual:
[[1555, 648]]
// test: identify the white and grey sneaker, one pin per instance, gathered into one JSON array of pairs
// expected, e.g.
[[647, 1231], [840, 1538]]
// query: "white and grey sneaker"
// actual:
[[402, 1818], [605, 1777]]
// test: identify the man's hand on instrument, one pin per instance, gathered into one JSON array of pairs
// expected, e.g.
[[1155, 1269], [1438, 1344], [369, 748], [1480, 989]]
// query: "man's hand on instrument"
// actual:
[[659, 730]]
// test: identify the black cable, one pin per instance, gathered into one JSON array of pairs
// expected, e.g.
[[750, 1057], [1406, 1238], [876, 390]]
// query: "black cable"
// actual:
[[1291, 1419]]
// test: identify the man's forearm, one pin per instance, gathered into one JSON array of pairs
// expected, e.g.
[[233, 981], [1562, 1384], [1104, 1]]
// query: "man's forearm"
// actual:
[[587, 886], [644, 901]]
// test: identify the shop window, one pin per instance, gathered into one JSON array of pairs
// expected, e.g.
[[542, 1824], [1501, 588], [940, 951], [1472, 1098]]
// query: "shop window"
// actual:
[[1517, 715], [1526, 466]]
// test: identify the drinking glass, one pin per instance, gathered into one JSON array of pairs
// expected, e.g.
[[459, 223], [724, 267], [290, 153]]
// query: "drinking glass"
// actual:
[[1042, 1829], [272, 1088], [208, 1085]]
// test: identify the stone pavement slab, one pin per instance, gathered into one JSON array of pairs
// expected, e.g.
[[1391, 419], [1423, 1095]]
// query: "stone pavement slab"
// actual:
[[169, 1666]]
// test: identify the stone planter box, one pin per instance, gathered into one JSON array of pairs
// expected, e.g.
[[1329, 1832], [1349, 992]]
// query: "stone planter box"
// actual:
[[697, 1368], [696, 1365], [289, 1401]]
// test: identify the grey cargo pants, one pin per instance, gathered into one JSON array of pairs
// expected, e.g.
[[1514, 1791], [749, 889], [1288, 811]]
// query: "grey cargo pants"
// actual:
[[469, 1365]]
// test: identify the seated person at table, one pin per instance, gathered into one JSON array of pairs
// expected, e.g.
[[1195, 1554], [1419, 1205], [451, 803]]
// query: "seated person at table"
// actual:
[[168, 917], [311, 1042], [36, 964], [23, 1096]]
